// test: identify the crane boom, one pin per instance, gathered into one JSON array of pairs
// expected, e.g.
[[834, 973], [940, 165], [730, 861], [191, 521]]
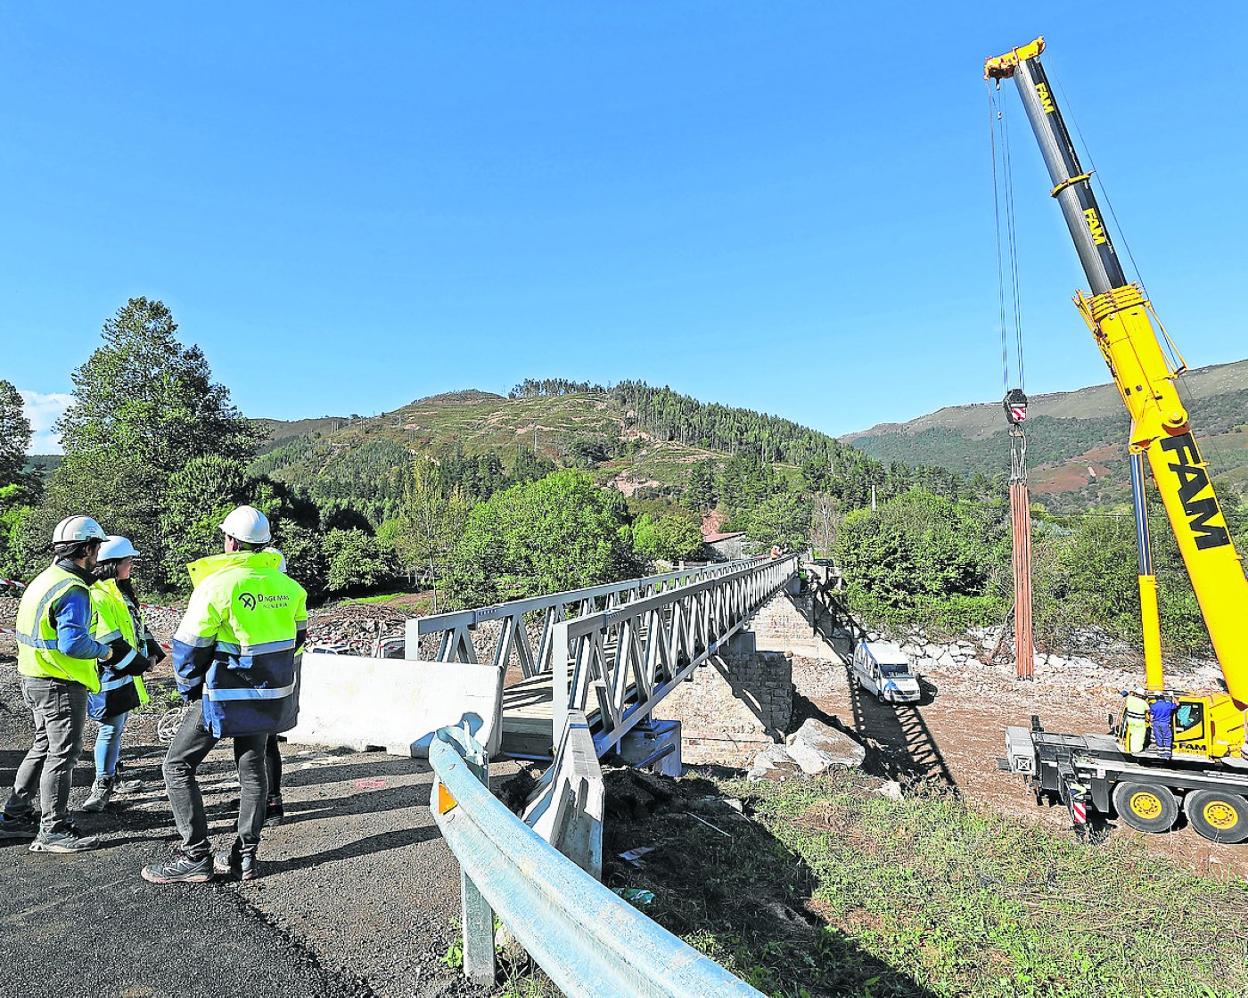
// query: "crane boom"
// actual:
[[1118, 315]]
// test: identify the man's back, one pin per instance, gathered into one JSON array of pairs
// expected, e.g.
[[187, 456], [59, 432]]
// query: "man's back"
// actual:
[[240, 643]]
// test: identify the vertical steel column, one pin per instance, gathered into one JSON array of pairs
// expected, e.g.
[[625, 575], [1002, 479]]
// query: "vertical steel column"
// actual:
[[1020, 527], [1150, 617]]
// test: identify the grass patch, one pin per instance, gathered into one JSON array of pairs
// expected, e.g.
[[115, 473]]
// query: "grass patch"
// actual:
[[827, 888], [378, 598]]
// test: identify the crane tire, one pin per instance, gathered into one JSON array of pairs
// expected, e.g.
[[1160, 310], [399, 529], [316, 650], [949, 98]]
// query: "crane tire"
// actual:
[[1218, 816], [1146, 807]]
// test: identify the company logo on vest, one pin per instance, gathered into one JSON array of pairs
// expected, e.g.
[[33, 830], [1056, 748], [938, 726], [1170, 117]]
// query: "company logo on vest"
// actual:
[[264, 601]]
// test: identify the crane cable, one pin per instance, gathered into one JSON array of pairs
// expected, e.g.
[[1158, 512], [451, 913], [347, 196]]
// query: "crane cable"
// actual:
[[1003, 204]]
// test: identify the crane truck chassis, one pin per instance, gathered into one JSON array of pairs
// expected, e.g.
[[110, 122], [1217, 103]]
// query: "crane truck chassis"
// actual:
[[1147, 794]]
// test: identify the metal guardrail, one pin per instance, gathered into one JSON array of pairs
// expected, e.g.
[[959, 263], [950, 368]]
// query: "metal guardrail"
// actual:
[[454, 630], [586, 938], [620, 663]]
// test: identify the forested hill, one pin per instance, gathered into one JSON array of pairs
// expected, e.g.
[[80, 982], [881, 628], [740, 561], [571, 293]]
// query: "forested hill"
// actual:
[[645, 441], [1076, 440]]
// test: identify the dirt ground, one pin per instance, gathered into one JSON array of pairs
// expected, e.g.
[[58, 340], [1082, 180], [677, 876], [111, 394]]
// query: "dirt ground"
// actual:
[[956, 736]]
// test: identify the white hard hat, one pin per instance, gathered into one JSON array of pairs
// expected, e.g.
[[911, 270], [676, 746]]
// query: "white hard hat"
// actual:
[[77, 528], [247, 524], [116, 547], [282, 566]]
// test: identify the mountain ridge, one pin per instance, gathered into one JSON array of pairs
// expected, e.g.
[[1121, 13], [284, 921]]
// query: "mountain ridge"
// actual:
[[1077, 439]]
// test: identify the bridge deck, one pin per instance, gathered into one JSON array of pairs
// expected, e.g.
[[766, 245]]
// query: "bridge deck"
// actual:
[[528, 708]]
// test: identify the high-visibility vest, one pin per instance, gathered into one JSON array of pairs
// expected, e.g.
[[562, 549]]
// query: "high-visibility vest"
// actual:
[[1137, 708], [240, 643], [37, 654], [118, 693]]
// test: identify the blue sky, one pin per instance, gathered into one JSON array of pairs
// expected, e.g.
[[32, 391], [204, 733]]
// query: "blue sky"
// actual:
[[786, 206]]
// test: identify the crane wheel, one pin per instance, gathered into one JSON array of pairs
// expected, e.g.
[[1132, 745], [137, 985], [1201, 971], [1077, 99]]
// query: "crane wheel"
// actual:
[[1146, 807], [1218, 816]]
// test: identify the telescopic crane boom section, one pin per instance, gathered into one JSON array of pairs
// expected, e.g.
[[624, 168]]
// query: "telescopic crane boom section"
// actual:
[[1118, 315]]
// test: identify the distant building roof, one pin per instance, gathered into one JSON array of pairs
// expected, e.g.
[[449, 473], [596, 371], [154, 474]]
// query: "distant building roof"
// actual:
[[715, 537]]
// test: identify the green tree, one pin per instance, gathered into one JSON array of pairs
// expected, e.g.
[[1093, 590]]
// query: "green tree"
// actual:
[[145, 407], [354, 561], [700, 490], [114, 490], [145, 396], [671, 537], [560, 532], [14, 512], [428, 523], [303, 548], [919, 547], [782, 519], [196, 500], [15, 435]]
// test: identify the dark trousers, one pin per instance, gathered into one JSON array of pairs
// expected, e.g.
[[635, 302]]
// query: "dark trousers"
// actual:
[[273, 766], [1163, 737], [59, 708], [190, 746]]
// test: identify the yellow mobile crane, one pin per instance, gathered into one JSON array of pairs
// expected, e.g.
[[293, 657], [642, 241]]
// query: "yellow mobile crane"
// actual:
[[1206, 772]]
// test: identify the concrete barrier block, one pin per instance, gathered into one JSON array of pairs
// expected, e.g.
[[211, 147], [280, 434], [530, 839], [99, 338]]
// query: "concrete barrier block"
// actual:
[[355, 702]]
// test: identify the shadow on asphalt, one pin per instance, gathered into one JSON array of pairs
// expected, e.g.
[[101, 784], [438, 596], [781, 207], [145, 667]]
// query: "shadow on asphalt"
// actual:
[[735, 886], [362, 847]]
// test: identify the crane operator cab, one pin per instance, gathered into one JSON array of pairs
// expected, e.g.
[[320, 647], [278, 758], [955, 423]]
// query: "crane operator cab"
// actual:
[[881, 667]]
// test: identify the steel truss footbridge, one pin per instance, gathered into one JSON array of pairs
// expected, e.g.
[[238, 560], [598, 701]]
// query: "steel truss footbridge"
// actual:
[[612, 651]]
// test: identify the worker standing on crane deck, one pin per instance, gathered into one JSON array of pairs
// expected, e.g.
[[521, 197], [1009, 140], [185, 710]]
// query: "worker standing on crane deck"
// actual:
[[56, 657], [236, 654], [1161, 716], [1137, 720]]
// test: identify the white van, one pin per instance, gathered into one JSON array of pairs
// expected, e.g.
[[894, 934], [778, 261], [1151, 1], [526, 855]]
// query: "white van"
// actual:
[[881, 668]]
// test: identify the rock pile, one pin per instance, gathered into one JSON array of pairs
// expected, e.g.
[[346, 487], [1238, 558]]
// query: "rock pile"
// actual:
[[814, 748]]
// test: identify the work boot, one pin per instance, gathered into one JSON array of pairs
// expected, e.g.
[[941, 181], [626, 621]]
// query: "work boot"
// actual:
[[274, 813], [180, 869], [18, 826], [101, 791], [67, 839], [234, 864], [123, 786]]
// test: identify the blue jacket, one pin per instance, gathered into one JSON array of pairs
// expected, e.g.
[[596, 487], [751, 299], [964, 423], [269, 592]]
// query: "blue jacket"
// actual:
[[74, 620]]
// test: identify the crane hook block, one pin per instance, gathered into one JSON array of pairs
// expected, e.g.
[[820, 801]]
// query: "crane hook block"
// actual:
[[1015, 405], [1002, 67]]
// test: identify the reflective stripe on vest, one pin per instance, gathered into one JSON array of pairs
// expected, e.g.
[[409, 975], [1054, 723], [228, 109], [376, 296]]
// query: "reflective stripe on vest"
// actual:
[[37, 652], [249, 693]]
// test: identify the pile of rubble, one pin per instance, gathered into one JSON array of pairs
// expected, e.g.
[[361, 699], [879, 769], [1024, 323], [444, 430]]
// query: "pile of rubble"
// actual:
[[812, 749]]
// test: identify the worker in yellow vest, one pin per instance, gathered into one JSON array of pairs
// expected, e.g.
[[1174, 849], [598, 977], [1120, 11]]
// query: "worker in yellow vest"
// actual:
[[117, 614], [57, 658], [236, 657], [1136, 721]]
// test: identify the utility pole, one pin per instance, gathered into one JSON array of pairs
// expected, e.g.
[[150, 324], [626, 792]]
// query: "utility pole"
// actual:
[[1020, 522]]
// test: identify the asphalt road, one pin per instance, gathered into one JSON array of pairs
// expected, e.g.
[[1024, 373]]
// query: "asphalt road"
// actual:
[[358, 894]]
